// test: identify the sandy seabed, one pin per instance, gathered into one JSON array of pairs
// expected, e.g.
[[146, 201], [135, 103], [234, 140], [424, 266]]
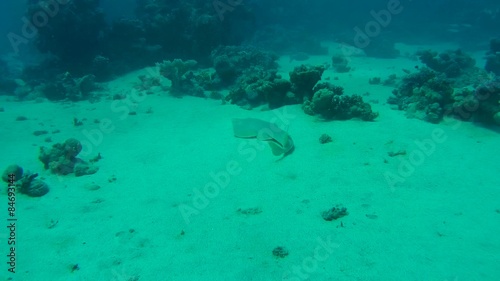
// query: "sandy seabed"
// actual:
[[150, 219]]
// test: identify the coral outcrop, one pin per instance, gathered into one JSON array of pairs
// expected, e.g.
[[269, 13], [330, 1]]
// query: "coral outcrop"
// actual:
[[32, 186], [429, 95], [330, 103], [423, 95], [180, 74], [487, 96], [259, 88], [232, 62], [340, 64], [451, 63], [62, 159], [25, 182], [303, 79]]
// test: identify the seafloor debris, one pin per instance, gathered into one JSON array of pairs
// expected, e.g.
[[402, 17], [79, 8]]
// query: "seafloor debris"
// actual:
[[334, 213], [280, 252]]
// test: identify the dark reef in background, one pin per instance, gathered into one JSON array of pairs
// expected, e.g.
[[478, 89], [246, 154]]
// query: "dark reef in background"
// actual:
[[7, 83], [493, 57], [73, 35], [467, 23], [83, 48], [81, 42], [287, 40]]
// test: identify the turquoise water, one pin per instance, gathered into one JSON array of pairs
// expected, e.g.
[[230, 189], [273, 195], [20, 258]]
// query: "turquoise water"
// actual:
[[250, 140]]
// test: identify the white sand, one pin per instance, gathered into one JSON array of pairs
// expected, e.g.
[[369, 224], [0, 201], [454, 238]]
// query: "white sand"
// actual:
[[441, 223]]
